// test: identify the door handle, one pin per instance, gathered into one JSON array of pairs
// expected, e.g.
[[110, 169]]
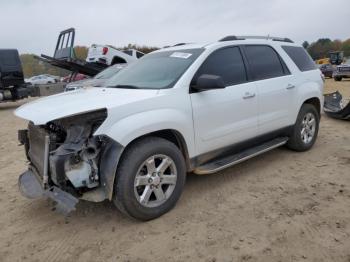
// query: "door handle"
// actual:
[[290, 86], [248, 95]]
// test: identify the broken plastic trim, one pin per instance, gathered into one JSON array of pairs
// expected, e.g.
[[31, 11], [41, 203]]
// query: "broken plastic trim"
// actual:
[[334, 106], [31, 187]]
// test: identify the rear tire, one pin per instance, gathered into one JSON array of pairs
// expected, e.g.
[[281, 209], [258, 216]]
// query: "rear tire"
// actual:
[[338, 78], [150, 178], [305, 130]]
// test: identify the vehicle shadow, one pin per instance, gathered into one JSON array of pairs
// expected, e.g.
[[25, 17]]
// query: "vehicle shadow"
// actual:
[[196, 186]]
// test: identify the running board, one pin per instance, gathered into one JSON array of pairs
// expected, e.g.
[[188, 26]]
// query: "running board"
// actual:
[[222, 163]]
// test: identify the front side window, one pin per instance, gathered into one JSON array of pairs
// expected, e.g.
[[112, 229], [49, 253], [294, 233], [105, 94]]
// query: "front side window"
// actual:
[[156, 70], [264, 62], [227, 63]]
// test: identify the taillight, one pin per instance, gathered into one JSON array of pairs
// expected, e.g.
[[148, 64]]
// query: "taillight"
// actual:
[[104, 50]]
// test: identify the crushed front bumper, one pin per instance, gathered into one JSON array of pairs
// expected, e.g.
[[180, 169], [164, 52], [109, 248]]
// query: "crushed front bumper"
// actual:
[[336, 107], [30, 186]]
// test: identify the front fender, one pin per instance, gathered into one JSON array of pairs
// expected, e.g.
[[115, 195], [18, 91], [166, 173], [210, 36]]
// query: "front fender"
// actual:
[[124, 131], [131, 127]]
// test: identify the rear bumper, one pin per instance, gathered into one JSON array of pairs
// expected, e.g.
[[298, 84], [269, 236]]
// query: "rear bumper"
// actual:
[[344, 74], [30, 186], [99, 59]]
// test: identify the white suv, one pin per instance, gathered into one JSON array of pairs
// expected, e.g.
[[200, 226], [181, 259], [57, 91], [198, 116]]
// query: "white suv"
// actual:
[[189, 108]]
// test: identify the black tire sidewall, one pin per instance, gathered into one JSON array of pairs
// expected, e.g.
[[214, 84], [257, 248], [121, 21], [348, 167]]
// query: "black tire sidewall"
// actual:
[[127, 170], [296, 141]]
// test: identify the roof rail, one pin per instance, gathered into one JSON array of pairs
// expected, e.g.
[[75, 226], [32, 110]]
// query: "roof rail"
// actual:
[[178, 44], [273, 38], [229, 38]]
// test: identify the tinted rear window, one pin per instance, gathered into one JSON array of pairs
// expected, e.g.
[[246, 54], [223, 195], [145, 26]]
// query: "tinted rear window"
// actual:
[[300, 57], [264, 62]]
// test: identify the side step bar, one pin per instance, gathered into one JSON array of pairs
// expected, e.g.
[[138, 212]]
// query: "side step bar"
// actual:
[[222, 163]]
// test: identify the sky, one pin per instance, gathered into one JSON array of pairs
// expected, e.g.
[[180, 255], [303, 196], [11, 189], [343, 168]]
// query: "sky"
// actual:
[[32, 26]]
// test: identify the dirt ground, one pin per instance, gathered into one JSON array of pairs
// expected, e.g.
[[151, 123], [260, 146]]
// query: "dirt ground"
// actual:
[[280, 206]]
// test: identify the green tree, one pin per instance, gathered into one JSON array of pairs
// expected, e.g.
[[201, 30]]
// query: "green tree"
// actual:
[[81, 52], [322, 47], [306, 44], [346, 47]]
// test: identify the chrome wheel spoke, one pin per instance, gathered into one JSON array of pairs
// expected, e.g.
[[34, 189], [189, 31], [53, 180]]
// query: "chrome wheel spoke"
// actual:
[[169, 179], [141, 180], [144, 198], [159, 193], [311, 122], [164, 165], [151, 165]]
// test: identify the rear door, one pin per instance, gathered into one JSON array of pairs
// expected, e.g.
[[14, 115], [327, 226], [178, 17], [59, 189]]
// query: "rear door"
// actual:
[[275, 87], [223, 117]]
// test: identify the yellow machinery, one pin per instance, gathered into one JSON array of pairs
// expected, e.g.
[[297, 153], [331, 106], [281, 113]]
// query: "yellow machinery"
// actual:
[[335, 58]]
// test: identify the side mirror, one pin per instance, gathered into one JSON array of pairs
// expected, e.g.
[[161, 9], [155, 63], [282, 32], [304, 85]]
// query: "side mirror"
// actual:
[[208, 82]]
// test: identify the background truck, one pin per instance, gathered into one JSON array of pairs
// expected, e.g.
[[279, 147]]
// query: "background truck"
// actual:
[[12, 85]]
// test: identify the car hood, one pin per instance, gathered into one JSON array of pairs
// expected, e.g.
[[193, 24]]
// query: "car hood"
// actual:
[[87, 82], [72, 103]]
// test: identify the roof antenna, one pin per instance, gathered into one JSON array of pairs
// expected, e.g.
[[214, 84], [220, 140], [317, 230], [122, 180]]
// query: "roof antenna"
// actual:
[[268, 37]]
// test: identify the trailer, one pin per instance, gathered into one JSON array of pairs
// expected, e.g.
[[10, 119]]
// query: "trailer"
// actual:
[[64, 56]]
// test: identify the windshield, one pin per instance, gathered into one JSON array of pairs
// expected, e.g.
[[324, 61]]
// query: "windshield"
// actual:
[[156, 70], [109, 72]]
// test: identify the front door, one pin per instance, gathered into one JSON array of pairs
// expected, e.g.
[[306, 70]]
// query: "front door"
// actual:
[[223, 117]]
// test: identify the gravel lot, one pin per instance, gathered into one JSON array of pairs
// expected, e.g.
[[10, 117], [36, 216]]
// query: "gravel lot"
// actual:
[[280, 206]]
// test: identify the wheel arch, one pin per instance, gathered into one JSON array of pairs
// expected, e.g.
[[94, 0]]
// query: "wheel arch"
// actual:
[[173, 136], [118, 60], [315, 101], [114, 154]]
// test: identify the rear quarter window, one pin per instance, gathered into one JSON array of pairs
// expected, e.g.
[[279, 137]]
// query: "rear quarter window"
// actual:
[[300, 57]]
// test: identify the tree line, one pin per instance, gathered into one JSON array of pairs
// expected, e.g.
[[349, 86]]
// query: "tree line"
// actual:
[[321, 48], [32, 66]]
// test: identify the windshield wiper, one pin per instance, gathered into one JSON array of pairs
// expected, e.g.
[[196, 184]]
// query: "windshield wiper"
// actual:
[[126, 86]]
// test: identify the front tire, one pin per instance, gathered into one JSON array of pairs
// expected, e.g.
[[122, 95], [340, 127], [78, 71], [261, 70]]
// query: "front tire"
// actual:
[[305, 130], [149, 179], [338, 78]]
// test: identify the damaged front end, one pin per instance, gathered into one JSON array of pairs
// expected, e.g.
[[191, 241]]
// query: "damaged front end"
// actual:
[[65, 160], [335, 106]]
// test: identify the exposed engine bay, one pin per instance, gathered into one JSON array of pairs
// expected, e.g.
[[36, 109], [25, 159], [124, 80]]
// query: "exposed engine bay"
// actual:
[[65, 156]]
